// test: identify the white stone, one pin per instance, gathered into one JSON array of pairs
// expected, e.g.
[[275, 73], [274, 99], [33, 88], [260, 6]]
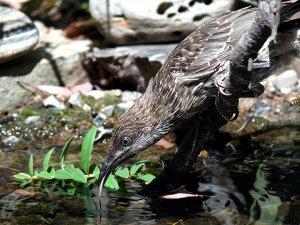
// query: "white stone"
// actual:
[[108, 110], [52, 101], [287, 80], [75, 99]]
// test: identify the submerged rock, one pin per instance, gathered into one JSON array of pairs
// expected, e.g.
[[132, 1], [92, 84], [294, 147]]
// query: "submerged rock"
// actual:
[[149, 21]]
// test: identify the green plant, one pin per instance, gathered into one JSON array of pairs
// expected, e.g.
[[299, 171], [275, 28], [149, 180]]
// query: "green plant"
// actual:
[[69, 179]]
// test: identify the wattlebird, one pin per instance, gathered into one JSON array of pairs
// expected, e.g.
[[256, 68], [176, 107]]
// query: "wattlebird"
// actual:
[[186, 83]]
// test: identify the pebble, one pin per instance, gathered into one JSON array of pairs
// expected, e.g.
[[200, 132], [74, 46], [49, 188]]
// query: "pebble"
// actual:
[[32, 119], [52, 101], [86, 107], [75, 99], [101, 131], [108, 110], [100, 119], [286, 81], [130, 96]]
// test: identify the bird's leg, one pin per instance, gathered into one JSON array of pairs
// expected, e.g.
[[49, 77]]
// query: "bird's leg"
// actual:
[[204, 124]]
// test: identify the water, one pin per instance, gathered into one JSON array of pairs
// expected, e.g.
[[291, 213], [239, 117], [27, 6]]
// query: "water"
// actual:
[[253, 179]]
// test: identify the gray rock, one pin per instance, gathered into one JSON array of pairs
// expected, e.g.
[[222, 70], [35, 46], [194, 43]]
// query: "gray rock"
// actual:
[[130, 96], [287, 81], [108, 110], [58, 63], [134, 65], [149, 21], [32, 119], [52, 101], [75, 99], [101, 131], [100, 119], [18, 34]]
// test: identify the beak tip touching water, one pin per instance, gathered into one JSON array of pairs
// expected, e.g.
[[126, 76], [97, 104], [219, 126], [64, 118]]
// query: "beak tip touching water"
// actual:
[[106, 169]]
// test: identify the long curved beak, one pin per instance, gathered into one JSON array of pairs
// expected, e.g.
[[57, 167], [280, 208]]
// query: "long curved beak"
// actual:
[[104, 173]]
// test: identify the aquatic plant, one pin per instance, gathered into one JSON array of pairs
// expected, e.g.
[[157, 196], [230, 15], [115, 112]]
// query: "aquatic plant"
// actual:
[[70, 179]]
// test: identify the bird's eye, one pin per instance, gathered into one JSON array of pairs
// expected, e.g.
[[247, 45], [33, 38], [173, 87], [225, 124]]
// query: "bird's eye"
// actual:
[[126, 141]]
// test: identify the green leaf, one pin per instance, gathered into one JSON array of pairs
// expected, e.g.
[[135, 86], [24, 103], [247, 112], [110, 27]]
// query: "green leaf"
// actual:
[[86, 149], [122, 172], [63, 175], [111, 183], [147, 177], [22, 176], [77, 175], [30, 165], [52, 172], [45, 175], [65, 151], [47, 159], [135, 168], [96, 171], [71, 191]]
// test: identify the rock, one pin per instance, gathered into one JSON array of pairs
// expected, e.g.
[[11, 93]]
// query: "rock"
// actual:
[[101, 131], [18, 34], [100, 119], [149, 21], [108, 110], [57, 63], [32, 119], [11, 142], [97, 94], [75, 99], [287, 81], [86, 107], [52, 101], [130, 96], [131, 65]]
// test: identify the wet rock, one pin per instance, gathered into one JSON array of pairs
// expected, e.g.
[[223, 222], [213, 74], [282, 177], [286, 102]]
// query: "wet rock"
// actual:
[[101, 131], [135, 21], [100, 119], [131, 65], [32, 119], [287, 81], [18, 34], [108, 110], [10, 142], [75, 100], [52, 101], [56, 61]]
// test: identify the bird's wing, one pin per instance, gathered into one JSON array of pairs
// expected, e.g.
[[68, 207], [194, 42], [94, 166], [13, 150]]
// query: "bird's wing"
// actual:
[[202, 53]]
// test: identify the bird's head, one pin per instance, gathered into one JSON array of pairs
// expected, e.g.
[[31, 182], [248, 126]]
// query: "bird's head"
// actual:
[[134, 131]]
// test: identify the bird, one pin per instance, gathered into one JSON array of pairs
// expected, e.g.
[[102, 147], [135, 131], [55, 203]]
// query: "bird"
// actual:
[[186, 83]]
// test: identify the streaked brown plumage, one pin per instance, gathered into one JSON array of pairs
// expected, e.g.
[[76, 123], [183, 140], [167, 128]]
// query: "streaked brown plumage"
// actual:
[[185, 84]]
